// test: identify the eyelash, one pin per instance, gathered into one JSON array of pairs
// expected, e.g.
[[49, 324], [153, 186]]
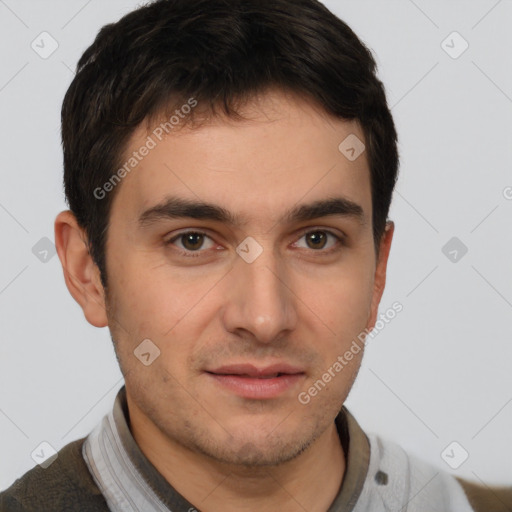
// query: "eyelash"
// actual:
[[195, 254]]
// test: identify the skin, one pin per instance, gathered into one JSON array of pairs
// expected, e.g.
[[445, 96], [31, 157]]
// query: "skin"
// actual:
[[219, 450]]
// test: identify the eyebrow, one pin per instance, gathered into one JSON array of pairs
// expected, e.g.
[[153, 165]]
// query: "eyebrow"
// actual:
[[176, 208]]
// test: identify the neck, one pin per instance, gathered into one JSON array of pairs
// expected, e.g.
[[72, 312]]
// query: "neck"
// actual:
[[310, 482]]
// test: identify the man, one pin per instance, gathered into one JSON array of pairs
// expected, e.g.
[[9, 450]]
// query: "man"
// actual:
[[229, 167]]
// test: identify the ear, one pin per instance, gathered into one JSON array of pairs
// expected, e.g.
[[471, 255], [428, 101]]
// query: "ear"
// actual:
[[380, 273], [81, 274]]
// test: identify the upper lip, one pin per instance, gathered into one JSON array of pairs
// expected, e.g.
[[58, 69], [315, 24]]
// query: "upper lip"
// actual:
[[252, 371]]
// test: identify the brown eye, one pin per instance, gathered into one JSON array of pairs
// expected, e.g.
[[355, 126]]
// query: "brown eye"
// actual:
[[317, 240], [191, 242]]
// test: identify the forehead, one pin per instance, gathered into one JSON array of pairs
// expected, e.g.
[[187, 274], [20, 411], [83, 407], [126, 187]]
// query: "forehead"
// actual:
[[286, 153]]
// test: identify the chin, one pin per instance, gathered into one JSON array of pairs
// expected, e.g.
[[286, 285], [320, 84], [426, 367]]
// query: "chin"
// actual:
[[260, 455], [257, 450]]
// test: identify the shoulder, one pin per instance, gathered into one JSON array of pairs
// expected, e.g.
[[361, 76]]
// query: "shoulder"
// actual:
[[484, 498], [66, 484], [424, 487]]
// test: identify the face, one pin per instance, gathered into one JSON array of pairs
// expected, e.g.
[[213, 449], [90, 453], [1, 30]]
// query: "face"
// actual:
[[229, 303]]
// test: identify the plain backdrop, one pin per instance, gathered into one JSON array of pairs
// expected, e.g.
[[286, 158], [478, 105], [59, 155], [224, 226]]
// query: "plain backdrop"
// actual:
[[439, 372]]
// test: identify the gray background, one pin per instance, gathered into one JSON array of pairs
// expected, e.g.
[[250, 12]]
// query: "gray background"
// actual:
[[438, 373]]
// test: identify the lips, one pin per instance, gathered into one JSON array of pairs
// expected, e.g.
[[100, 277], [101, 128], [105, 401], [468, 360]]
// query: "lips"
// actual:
[[249, 370], [249, 381]]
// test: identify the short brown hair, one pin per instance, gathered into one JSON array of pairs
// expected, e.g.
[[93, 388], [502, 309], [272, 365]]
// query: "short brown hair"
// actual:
[[222, 53]]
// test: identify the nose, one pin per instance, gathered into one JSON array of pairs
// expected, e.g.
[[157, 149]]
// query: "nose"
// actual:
[[260, 299]]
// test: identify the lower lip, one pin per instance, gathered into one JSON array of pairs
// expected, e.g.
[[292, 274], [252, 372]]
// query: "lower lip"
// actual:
[[250, 387]]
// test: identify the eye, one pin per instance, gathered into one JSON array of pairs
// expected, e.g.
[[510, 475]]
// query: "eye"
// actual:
[[317, 240], [191, 241]]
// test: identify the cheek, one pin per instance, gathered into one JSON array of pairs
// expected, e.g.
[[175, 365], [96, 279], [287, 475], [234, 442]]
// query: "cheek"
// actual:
[[150, 299], [342, 301]]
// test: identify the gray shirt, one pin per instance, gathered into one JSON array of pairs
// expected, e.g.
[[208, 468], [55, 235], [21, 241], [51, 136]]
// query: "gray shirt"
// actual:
[[379, 475]]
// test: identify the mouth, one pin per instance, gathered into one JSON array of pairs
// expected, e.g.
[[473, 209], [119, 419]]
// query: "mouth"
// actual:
[[249, 381]]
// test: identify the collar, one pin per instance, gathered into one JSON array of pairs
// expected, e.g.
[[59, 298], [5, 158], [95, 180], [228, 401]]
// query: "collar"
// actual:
[[130, 482]]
